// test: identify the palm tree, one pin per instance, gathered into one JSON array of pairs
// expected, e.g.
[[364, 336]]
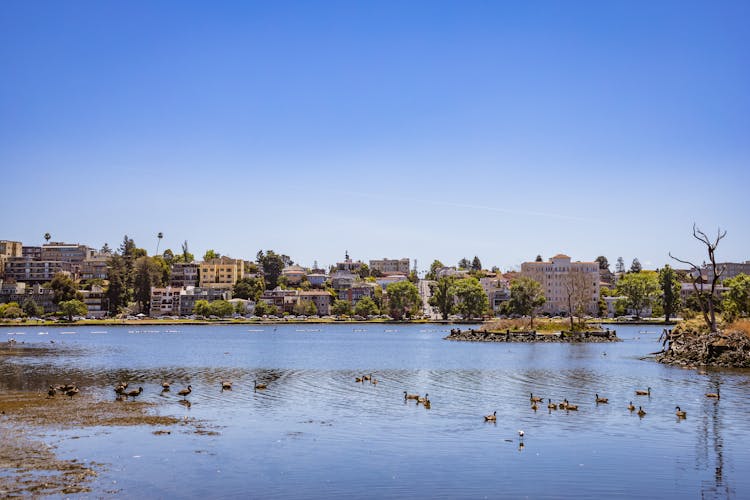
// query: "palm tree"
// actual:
[[160, 236], [47, 237]]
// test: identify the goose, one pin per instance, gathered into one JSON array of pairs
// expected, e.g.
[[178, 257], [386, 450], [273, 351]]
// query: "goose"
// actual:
[[226, 385], [258, 386], [423, 399], [643, 393], [570, 407], [165, 386], [491, 418], [185, 392], [534, 399], [72, 392], [715, 395], [631, 407], [680, 413], [135, 393], [641, 411], [551, 405], [410, 396], [51, 392], [602, 400]]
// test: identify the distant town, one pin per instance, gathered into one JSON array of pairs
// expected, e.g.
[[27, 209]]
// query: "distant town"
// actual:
[[74, 281]]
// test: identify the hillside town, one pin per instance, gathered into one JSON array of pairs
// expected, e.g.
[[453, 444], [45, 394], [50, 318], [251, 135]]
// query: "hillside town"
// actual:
[[74, 280]]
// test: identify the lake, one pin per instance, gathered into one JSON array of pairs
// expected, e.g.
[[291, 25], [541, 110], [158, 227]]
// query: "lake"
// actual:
[[316, 433]]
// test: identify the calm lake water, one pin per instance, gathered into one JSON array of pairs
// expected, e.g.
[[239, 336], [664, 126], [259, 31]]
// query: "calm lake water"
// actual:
[[315, 433]]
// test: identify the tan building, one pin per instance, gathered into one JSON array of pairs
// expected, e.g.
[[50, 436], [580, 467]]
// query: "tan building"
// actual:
[[221, 273], [561, 278], [390, 266]]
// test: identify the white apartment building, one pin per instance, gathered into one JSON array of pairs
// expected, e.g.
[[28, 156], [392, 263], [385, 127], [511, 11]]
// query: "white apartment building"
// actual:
[[558, 276]]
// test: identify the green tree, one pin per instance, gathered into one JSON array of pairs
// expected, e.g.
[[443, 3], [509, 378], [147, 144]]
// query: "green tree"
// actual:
[[265, 309], [636, 267], [272, 264], [64, 288], [432, 275], [442, 296], [341, 308], [670, 291], [305, 308], [220, 308], [476, 264], [148, 274], [366, 307], [526, 297], [471, 301], [249, 288], [210, 255], [32, 309], [736, 300], [403, 299], [603, 262], [72, 308], [641, 289]]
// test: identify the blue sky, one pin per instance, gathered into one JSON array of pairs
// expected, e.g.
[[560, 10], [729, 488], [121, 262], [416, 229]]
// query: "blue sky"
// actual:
[[389, 129]]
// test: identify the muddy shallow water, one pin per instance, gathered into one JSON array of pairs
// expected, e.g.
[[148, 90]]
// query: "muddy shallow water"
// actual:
[[315, 432]]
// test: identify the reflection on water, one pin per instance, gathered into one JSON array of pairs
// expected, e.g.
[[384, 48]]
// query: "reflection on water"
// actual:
[[315, 432]]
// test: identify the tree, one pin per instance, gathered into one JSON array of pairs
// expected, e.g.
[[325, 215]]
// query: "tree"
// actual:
[[579, 292], [641, 289], [341, 308], [670, 291], [636, 267], [432, 275], [476, 264], [117, 292], [471, 301], [603, 262], [32, 309], [72, 308], [305, 308], [403, 299], [706, 301], [442, 296], [736, 300], [464, 264], [148, 274], [64, 288], [272, 264], [210, 255], [366, 307], [526, 297], [263, 308], [249, 288], [620, 266]]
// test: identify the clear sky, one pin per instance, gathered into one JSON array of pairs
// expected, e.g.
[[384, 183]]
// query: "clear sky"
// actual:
[[389, 129]]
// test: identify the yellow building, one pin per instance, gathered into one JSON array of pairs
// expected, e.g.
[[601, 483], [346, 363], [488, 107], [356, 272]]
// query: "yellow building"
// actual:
[[221, 273]]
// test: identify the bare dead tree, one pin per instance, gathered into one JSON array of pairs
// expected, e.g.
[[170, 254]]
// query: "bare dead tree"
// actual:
[[706, 302]]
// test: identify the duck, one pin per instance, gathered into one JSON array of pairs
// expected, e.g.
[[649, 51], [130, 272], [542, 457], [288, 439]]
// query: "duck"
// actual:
[[185, 392], [258, 386], [680, 413], [641, 411], [410, 396], [551, 405], [631, 406], [135, 393], [534, 399], [423, 399], [491, 418], [602, 400], [715, 395], [647, 392], [226, 385], [165, 386]]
